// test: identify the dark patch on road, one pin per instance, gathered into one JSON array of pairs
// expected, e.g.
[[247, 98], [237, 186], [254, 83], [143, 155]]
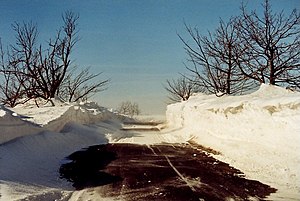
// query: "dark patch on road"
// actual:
[[159, 172], [143, 123], [85, 167], [140, 126], [140, 129]]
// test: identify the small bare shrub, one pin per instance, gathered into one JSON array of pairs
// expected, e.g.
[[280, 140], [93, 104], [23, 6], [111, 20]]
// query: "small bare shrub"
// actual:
[[129, 108]]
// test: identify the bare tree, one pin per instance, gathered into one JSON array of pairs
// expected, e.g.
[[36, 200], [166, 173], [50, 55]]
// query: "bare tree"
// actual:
[[56, 62], [81, 86], [213, 60], [180, 89], [11, 90], [23, 57], [129, 108], [221, 46], [205, 76], [33, 72], [270, 45], [44, 72]]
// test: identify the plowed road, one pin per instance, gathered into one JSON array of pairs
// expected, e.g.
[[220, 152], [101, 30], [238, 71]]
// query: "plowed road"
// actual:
[[158, 172]]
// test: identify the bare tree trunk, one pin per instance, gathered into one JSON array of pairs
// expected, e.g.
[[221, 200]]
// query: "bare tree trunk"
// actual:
[[271, 44]]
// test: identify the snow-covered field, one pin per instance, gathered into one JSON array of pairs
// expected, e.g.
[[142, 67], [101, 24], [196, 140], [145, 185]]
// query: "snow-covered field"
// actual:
[[257, 133]]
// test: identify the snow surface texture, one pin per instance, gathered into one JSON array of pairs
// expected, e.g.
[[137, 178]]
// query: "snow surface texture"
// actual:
[[257, 133]]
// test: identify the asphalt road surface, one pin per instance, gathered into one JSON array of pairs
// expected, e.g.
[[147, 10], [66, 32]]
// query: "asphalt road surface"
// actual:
[[159, 172]]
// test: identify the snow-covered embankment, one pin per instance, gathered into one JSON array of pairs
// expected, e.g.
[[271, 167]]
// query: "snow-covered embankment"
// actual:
[[257, 133], [34, 142]]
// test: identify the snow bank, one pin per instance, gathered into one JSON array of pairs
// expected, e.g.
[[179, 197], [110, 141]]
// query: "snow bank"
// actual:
[[35, 160], [13, 126], [87, 113], [258, 133], [35, 140], [43, 152], [29, 119], [54, 118], [43, 114]]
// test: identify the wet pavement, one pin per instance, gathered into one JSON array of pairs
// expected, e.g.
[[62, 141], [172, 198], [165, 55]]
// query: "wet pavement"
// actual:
[[158, 172]]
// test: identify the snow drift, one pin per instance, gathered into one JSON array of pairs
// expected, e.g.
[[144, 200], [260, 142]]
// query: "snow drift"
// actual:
[[258, 133], [12, 126], [34, 142]]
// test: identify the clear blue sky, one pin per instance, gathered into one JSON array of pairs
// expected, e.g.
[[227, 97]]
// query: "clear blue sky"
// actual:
[[134, 43]]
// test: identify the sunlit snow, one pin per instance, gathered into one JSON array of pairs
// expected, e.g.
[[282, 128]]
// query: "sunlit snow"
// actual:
[[256, 133]]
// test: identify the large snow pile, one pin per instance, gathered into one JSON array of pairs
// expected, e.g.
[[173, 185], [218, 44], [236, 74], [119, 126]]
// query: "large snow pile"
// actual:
[[54, 118], [35, 140], [12, 126], [258, 133], [28, 119]]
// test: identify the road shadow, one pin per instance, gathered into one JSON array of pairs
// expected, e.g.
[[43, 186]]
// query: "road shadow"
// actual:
[[159, 172]]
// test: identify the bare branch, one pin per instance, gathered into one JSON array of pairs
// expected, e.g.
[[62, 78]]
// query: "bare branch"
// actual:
[[271, 43], [180, 89]]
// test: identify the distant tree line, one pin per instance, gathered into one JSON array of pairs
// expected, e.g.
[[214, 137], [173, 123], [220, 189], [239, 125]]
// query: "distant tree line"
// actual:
[[28, 71], [240, 54]]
